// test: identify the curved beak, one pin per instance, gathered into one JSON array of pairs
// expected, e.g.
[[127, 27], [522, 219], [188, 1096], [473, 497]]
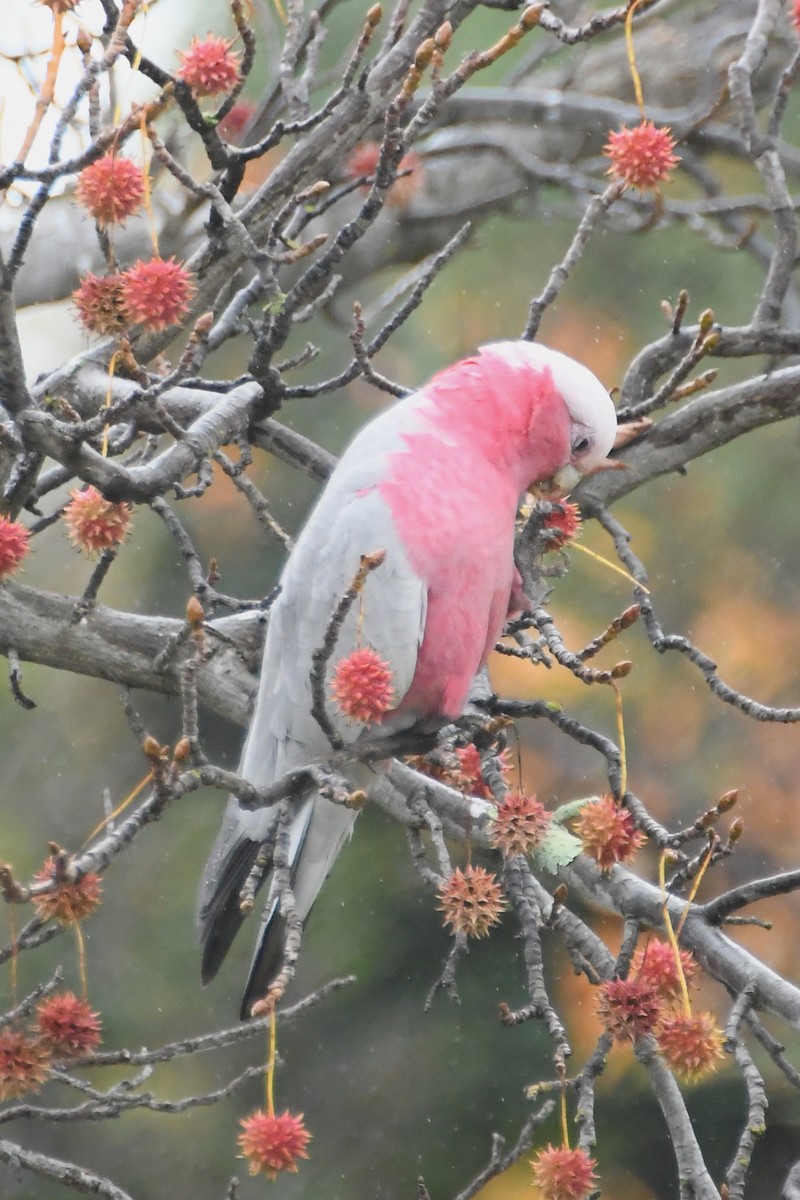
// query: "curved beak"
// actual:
[[560, 484]]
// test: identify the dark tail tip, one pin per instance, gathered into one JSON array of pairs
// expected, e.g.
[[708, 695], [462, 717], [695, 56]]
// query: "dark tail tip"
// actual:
[[221, 917], [266, 964]]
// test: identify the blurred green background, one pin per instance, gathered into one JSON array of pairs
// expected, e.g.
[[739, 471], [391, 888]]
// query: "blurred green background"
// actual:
[[391, 1092]]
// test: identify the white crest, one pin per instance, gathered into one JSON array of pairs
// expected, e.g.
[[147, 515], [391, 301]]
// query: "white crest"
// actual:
[[587, 401]]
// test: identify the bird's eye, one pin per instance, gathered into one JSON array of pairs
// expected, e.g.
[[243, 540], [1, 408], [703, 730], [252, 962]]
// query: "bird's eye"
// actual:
[[581, 445]]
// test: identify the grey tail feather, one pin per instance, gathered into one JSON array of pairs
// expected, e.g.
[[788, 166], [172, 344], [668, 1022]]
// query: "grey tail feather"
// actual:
[[268, 956], [220, 916], [266, 962]]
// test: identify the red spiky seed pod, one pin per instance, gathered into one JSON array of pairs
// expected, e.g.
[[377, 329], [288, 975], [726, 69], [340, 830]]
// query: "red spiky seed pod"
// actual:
[[14, 539], [461, 769], [23, 1064], [563, 1174], [641, 156], [655, 965], [691, 1045], [563, 527], [363, 161], [68, 902], [608, 833], [466, 774], [273, 1142], [209, 66], [471, 771], [234, 124], [99, 302], [96, 524], [363, 686], [410, 181], [67, 1025], [472, 901], [628, 1008], [520, 825], [112, 189], [156, 293]]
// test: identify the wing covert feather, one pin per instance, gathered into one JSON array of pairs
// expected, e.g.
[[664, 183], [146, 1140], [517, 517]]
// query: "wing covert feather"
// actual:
[[392, 613]]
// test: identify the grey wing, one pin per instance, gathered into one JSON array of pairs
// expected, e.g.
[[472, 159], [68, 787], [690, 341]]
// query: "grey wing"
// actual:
[[390, 617]]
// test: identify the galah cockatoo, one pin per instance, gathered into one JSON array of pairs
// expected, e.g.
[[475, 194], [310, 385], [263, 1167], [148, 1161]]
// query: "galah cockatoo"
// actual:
[[435, 482]]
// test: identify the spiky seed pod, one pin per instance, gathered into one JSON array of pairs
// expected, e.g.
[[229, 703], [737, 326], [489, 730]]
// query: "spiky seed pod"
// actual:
[[608, 833], [520, 825], [363, 160], [96, 524], [563, 526], [642, 156], [691, 1045], [472, 901], [273, 1142], [209, 66], [629, 1008], [99, 302], [363, 686], [233, 126], [156, 293], [112, 189], [563, 1174], [655, 965], [23, 1064], [67, 1025], [69, 901], [13, 546]]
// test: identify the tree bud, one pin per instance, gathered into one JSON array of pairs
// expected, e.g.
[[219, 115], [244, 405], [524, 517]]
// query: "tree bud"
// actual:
[[443, 36], [182, 750], [727, 801], [531, 16], [194, 612], [424, 54], [151, 747]]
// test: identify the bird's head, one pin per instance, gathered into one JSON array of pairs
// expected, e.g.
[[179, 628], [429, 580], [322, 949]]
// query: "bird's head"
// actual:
[[572, 419]]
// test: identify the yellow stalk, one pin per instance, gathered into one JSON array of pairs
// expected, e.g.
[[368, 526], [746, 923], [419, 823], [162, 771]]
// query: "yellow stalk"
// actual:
[[695, 888], [273, 1046], [45, 97], [141, 785], [611, 566], [81, 957], [637, 83], [564, 1123], [12, 929], [109, 397], [671, 938], [623, 757], [148, 196]]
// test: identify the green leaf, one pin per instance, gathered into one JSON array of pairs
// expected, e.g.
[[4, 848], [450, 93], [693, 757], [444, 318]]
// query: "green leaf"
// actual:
[[566, 812], [558, 849], [275, 307]]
